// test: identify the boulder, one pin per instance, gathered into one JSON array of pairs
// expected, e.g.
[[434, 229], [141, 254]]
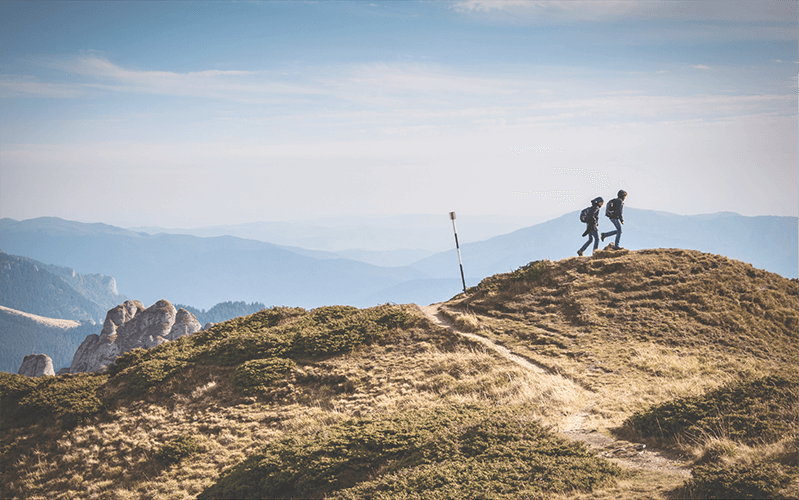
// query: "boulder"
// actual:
[[36, 365], [129, 326]]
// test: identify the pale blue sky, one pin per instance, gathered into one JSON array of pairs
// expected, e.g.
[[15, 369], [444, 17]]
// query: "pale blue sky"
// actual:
[[184, 114]]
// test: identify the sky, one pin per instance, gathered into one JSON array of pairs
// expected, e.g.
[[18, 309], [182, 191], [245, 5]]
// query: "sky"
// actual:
[[189, 114]]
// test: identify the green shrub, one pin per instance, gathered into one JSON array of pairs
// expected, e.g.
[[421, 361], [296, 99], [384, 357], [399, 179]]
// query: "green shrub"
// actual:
[[236, 349], [462, 450], [530, 272], [12, 384], [751, 480], [149, 373], [126, 360], [255, 375], [751, 412], [252, 324], [70, 398], [337, 329], [177, 449]]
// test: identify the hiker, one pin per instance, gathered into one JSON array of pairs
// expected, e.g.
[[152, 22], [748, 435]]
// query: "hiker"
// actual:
[[614, 213], [590, 216]]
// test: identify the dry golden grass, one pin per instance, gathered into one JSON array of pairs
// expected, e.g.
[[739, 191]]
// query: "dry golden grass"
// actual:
[[113, 456], [614, 335]]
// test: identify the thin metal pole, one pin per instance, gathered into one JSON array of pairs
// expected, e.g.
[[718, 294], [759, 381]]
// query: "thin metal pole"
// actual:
[[452, 216]]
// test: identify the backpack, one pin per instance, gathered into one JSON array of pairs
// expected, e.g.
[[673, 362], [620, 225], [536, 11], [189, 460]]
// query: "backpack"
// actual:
[[585, 215], [612, 210]]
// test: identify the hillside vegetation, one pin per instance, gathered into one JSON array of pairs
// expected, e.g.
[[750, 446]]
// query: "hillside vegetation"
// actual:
[[680, 350]]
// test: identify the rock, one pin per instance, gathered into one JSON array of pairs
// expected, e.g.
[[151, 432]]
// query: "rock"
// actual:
[[208, 326], [36, 365], [129, 326], [62, 371], [185, 324]]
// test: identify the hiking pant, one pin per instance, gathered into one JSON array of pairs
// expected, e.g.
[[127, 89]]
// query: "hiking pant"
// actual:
[[593, 235], [617, 232]]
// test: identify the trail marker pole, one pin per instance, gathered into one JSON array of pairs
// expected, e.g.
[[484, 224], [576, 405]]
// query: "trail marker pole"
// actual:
[[452, 216]]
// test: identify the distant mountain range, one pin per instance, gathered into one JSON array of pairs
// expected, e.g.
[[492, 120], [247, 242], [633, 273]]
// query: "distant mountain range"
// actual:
[[379, 240], [205, 271], [199, 271], [55, 291]]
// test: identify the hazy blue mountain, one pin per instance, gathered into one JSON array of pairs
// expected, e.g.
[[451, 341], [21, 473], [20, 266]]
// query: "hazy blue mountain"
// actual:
[[383, 241], [22, 334], [769, 242], [200, 271], [54, 291]]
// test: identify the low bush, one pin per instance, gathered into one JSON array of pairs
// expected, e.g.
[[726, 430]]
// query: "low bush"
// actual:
[[69, 398], [237, 349], [255, 375], [530, 272], [337, 329], [177, 449], [473, 450], [749, 480], [12, 384], [750, 412]]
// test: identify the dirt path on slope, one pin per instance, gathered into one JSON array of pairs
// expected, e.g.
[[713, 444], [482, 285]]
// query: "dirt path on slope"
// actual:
[[625, 453]]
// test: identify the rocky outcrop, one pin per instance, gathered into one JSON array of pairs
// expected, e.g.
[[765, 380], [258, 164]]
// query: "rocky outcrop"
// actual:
[[36, 365], [128, 326]]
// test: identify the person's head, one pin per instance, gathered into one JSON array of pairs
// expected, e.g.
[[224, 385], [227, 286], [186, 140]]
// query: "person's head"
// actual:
[[598, 201], [622, 194]]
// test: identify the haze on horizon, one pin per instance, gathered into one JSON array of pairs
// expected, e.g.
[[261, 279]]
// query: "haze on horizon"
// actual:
[[189, 114]]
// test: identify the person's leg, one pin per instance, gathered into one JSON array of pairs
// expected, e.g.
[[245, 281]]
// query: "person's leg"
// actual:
[[617, 223], [582, 248], [595, 236]]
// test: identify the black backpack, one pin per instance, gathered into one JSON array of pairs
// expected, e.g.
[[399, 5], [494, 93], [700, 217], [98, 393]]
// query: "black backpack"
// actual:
[[585, 215], [612, 210]]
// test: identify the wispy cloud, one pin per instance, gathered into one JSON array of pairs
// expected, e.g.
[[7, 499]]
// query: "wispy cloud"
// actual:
[[16, 85], [404, 98], [234, 85]]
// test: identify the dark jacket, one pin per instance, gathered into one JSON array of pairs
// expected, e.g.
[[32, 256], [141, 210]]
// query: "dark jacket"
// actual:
[[593, 219], [619, 211]]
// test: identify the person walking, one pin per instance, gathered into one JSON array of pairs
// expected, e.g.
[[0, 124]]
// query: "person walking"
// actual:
[[614, 213], [590, 216]]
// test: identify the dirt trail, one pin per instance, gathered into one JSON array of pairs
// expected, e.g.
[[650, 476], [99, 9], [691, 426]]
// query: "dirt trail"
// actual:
[[625, 453]]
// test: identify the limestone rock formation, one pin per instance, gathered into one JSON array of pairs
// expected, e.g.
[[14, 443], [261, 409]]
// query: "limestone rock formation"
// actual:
[[128, 326], [36, 365]]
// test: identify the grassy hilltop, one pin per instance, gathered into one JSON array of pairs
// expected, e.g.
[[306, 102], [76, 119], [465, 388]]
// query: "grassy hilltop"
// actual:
[[691, 354]]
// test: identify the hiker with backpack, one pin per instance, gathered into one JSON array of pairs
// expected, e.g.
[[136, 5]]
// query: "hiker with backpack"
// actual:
[[590, 216], [614, 213]]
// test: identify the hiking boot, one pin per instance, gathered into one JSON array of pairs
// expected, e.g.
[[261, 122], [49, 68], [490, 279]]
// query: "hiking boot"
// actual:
[[580, 253], [603, 236]]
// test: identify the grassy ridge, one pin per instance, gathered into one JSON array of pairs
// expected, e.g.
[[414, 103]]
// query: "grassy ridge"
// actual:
[[672, 297]]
